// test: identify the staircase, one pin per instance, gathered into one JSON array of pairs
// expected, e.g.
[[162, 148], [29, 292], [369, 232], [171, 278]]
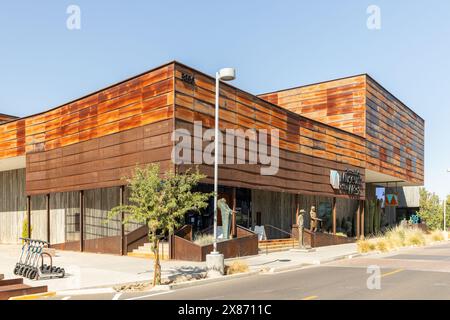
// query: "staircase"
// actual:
[[14, 287], [274, 245], [145, 251]]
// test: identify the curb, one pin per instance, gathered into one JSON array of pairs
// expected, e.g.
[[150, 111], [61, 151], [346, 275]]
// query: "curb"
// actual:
[[314, 263], [76, 292], [34, 296], [188, 284], [168, 287]]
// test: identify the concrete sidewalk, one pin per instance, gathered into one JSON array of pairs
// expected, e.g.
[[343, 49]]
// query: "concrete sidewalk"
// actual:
[[88, 270], [285, 260]]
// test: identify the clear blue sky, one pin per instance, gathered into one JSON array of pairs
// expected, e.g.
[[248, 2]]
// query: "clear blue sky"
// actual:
[[273, 45]]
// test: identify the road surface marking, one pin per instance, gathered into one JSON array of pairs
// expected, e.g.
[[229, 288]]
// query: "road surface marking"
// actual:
[[310, 298], [149, 295], [66, 298], [117, 296], [392, 272], [34, 296]]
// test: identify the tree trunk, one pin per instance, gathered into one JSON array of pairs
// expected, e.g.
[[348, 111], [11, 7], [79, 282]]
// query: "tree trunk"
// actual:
[[157, 266]]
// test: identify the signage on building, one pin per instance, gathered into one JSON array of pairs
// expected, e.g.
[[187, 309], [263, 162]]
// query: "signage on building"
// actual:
[[348, 182], [188, 78], [334, 179], [391, 200]]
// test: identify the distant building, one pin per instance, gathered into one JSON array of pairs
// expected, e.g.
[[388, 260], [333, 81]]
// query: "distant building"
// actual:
[[5, 118], [408, 204]]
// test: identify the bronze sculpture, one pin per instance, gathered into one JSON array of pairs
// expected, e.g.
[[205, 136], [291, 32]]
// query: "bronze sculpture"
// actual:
[[226, 214], [301, 225], [314, 220]]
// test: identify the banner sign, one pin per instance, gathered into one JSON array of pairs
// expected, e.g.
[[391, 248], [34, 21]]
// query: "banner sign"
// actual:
[[391, 200], [349, 181]]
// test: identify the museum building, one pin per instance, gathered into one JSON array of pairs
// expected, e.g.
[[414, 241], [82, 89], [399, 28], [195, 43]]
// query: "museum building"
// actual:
[[62, 170]]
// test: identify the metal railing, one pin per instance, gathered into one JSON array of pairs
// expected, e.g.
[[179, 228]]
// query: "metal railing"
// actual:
[[291, 236]]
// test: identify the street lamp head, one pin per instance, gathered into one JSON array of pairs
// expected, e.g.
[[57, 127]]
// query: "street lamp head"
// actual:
[[227, 74]]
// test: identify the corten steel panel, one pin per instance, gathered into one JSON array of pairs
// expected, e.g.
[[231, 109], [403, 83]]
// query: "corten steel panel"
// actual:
[[142, 100], [6, 118], [111, 245], [71, 133], [394, 133], [395, 136], [308, 148], [245, 244], [101, 162], [340, 103]]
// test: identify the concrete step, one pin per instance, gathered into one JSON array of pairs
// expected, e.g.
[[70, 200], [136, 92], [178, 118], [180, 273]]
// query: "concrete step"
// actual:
[[15, 287], [273, 246], [268, 250], [164, 256], [145, 251], [278, 240], [148, 250]]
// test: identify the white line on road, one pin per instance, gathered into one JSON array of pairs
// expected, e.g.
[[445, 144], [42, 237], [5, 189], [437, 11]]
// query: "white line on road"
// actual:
[[117, 296], [149, 295], [66, 298]]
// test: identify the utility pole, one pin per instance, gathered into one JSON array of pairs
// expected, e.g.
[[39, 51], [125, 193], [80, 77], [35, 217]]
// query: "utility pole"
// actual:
[[445, 215]]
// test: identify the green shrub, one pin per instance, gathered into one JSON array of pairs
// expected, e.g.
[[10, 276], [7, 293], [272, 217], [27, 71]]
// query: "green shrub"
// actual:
[[415, 237], [237, 266], [437, 236], [382, 245], [204, 239], [25, 228], [396, 237], [365, 246]]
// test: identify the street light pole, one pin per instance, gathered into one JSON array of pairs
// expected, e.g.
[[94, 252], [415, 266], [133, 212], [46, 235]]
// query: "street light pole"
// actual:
[[225, 74], [216, 158], [214, 260], [445, 214]]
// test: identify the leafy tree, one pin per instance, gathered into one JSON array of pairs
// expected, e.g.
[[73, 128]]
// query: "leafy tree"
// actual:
[[25, 229], [160, 201], [431, 209]]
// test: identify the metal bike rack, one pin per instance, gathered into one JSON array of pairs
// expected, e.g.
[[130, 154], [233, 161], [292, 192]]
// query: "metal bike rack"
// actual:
[[31, 261]]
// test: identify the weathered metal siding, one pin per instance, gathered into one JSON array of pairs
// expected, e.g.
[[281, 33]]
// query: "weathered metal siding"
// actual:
[[12, 205]]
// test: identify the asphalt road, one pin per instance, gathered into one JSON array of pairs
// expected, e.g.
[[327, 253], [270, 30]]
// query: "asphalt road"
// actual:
[[417, 273]]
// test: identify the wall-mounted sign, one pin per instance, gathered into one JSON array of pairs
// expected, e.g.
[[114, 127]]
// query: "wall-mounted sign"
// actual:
[[391, 200], [335, 179], [188, 78], [348, 182]]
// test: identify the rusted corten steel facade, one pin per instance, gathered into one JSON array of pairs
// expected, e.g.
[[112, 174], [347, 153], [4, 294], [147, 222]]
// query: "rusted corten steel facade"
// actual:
[[308, 149], [394, 134], [95, 141], [78, 154], [5, 118]]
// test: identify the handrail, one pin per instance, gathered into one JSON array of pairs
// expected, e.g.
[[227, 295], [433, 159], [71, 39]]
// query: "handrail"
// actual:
[[283, 231], [245, 229], [291, 236]]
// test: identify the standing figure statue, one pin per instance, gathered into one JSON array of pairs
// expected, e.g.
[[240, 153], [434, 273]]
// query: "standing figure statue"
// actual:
[[226, 214], [301, 225], [314, 219], [313, 216]]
